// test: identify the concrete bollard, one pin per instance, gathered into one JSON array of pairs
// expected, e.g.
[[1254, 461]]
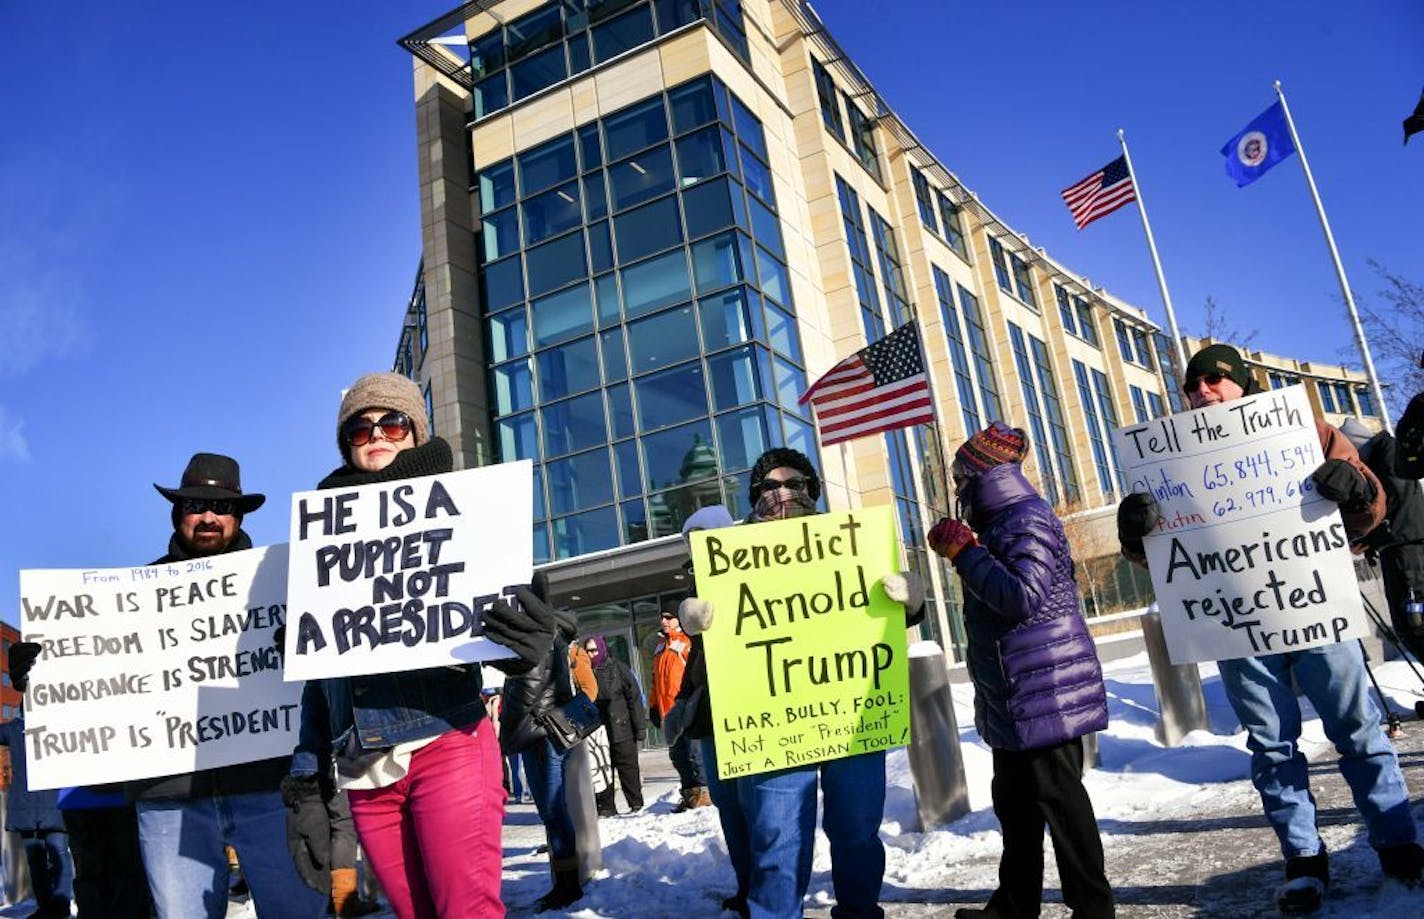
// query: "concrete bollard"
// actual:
[[941, 792], [1179, 688], [578, 792]]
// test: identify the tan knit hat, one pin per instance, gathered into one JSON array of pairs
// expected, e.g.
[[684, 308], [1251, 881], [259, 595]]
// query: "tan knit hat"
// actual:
[[384, 390]]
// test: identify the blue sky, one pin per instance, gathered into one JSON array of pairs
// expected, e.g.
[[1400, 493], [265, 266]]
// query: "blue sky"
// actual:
[[209, 218]]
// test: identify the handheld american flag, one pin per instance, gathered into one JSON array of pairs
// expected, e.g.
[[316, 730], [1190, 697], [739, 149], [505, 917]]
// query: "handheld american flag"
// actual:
[[881, 387], [1100, 193]]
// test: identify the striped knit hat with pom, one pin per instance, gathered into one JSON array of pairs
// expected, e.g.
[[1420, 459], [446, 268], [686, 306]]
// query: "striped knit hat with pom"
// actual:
[[995, 445]]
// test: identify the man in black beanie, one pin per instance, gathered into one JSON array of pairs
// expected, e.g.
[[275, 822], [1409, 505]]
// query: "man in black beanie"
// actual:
[[1261, 692]]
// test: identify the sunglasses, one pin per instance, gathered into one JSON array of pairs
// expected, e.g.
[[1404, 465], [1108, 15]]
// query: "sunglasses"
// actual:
[[220, 506], [395, 426], [795, 483], [1210, 379]]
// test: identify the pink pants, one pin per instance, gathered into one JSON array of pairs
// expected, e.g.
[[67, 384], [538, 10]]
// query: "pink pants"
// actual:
[[433, 838]]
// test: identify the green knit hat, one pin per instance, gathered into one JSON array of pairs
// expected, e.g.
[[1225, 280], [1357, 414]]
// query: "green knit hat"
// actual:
[[1218, 358]]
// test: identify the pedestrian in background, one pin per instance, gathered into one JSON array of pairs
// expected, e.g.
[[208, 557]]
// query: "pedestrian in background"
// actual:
[[620, 708], [1038, 684]]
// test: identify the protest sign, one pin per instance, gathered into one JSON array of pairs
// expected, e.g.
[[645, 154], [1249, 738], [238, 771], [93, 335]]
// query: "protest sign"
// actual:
[[806, 660], [159, 670], [397, 575], [1247, 559]]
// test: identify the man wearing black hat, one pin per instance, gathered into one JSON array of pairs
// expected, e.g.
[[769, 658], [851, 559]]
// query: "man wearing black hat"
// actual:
[[185, 820], [1333, 677]]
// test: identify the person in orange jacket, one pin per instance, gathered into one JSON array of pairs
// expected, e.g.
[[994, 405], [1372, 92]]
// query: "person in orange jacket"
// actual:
[[669, 664]]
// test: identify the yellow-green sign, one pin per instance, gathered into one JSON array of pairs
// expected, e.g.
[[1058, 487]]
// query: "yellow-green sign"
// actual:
[[806, 655]]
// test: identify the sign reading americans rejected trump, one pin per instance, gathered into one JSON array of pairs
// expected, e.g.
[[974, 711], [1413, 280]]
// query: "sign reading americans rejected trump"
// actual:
[[398, 575], [1248, 559], [806, 654], [158, 670]]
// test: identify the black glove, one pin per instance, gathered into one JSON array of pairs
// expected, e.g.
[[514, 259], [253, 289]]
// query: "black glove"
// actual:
[[655, 716], [1137, 515], [524, 625], [23, 655], [1338, 481], [309, 828]]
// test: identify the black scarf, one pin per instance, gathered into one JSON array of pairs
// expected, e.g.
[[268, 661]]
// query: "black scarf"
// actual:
[[430, 458]]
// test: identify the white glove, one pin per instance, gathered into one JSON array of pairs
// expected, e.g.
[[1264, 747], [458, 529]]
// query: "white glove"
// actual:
[[695, 614]]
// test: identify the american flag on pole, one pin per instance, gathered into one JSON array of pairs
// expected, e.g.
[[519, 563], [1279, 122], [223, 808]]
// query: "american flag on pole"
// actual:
[[881, 387], [1100, 193]]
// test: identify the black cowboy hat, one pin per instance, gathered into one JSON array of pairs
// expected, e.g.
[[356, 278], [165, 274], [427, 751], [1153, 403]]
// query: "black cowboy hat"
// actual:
[[213, 476]]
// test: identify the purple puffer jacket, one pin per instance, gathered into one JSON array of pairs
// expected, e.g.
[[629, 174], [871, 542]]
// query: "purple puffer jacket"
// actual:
[[1037, 679]]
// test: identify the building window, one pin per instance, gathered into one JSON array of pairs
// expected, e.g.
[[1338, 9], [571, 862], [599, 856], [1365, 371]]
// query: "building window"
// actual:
[[1038, 428], [1098, 436], [1077, 315], [1327, 396], [958, 355], [861, 268], [1366, 399], [421, 323], [1342, 398], [862, 138], [952, 216], [890, 270], [647, 353], [829, 99], [1144, 349], [1023, 281], [1001, 272], [923, 200], [1139, 404], [1154, 402], [1167, 361], [565, 38], [1108, 410], [982, 349], [1124, 341], [430, 409]]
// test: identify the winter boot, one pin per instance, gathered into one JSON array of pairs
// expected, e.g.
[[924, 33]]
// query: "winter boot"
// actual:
[[1307, 879], [737, 903], [606, 805], [566, 889], [1403, 862]]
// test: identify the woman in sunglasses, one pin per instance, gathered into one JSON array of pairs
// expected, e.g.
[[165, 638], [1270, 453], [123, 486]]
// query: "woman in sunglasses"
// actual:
[[414, 749]]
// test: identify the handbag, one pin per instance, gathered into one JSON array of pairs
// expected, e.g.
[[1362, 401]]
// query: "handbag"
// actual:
[[571, 722]]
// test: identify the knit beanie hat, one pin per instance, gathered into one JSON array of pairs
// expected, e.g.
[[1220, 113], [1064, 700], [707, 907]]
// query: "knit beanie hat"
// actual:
[[1218, 358], [776, 458], [994, 446], [389, 391], [1356, 432]]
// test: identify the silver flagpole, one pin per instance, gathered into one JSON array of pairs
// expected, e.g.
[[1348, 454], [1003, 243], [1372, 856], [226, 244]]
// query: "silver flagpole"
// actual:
[[1339, 266], [1156, 262]]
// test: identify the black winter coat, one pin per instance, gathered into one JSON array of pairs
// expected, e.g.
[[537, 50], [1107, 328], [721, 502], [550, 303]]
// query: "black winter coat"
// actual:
[[620, 704], [545, 686]]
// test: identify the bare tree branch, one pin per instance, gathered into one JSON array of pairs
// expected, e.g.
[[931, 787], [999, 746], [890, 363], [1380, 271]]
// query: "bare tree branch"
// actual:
[[1217, 327]]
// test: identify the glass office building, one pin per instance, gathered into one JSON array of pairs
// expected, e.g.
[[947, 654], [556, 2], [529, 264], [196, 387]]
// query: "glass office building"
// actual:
[[647, 225]]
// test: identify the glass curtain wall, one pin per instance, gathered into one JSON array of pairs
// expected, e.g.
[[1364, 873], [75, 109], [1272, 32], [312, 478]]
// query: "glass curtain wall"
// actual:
[[642, 341]]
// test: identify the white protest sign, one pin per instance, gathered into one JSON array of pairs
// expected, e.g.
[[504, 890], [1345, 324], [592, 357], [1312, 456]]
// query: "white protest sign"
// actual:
[[397, 575], [1247, 559], [155, 671]]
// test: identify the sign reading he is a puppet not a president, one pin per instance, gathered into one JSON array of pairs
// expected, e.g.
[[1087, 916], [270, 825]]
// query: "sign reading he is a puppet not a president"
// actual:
[[806, 654], [397, 575], [1248, 559], [157, 670]]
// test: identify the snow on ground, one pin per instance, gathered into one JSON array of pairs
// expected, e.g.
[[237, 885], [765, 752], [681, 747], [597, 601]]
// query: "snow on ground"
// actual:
[[1159, 809]]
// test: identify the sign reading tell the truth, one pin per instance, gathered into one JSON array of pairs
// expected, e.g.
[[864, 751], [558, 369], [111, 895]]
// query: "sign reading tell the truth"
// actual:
[[158, 670], [806, 656], [1247, 559], [397, 575]]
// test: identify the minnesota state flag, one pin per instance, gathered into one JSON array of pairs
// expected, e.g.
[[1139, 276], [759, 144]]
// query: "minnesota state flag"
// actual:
[[1260, 145]]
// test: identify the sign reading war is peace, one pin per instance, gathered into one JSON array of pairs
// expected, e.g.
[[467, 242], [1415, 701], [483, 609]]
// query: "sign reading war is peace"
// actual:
[[1248, 559], [806, 656], [397, 575], [158, 670]]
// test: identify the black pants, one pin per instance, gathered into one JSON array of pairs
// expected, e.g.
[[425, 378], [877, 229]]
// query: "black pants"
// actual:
[[1034, 788], [109, 879], [1395, 564], [623, 755]]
